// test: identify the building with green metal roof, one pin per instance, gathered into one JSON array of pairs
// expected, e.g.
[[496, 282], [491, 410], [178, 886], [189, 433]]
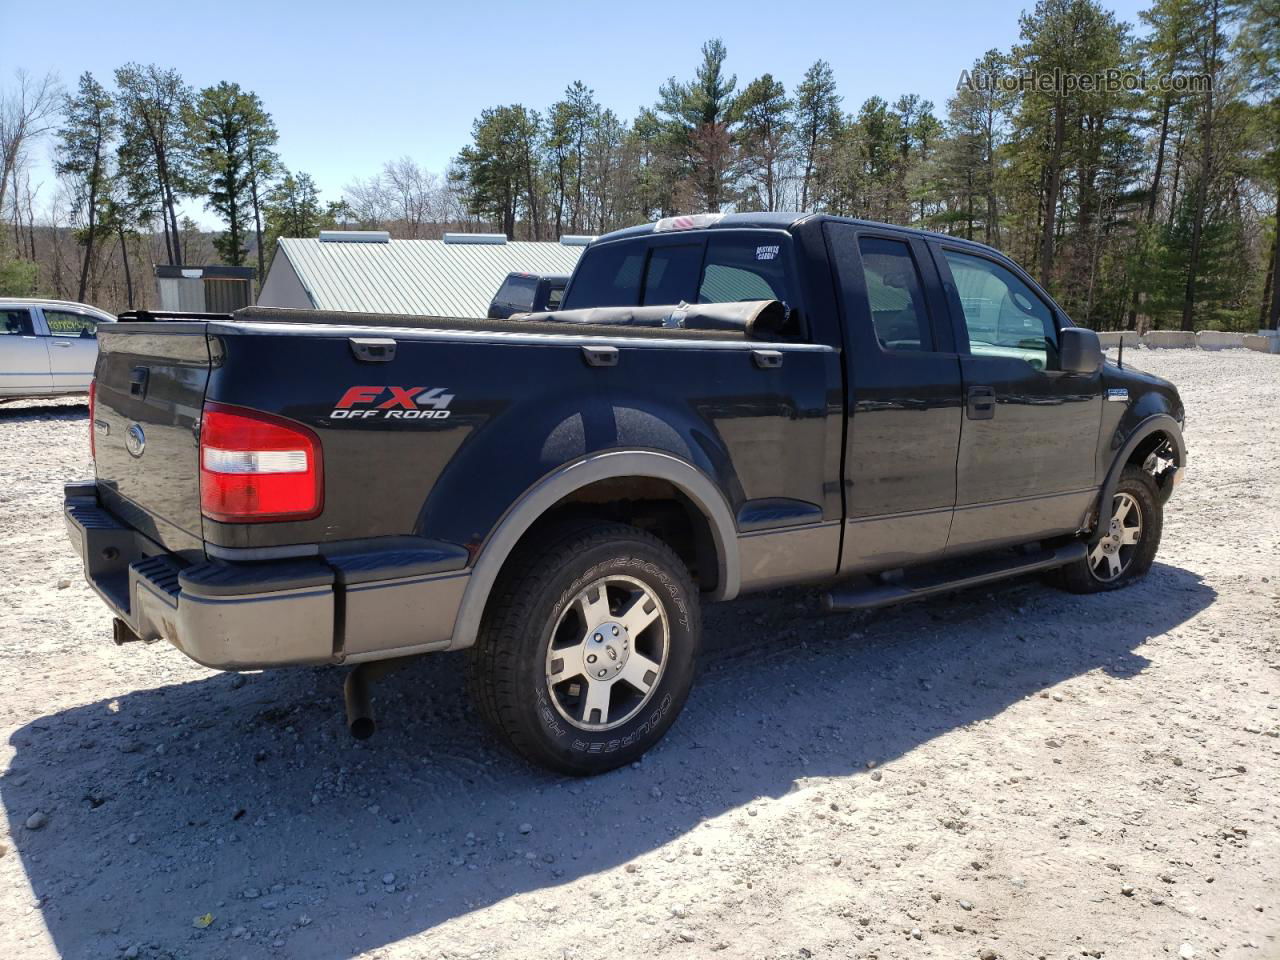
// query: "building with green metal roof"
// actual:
[[368, 272]]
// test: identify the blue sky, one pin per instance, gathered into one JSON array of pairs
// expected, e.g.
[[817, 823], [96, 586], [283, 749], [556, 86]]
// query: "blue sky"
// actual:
[[352, 85]]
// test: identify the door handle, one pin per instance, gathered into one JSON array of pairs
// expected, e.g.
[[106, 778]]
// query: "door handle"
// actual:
[[981, 403], [65, 344], [767, 359]]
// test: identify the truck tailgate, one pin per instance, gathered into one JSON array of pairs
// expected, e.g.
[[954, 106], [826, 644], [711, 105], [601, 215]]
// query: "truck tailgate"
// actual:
[[150, 387]]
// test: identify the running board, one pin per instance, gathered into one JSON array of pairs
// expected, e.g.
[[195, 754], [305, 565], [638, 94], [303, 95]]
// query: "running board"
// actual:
[[917, 584]]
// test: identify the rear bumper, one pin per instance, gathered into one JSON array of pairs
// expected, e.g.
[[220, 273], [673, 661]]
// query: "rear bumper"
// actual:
[[362, 603]]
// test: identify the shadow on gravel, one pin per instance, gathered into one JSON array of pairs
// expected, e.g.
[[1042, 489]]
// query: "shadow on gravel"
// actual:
[[23, 410], [250, 802]]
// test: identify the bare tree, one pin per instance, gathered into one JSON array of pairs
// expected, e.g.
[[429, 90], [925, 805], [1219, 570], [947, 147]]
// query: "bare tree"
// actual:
[[414, 193], [406, 199], [27, 112]]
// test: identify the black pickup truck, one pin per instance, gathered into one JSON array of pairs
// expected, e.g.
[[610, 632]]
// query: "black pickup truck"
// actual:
[[725, 404]]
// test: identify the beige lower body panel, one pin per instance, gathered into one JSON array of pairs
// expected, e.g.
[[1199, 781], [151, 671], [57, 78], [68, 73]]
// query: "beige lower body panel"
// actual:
[[391, 618], [985, 526], [776, 558], [882, 543]]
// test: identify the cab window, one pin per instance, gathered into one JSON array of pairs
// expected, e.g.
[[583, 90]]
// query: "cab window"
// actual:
[[744, 267], [607, 276], [1004, 317], [895, 294], [672, 275]]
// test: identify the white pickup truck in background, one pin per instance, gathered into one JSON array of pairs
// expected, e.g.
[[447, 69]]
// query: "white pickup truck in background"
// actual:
[[47, 347]]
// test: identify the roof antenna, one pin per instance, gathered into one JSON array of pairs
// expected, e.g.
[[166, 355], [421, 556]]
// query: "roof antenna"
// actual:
[[1120, 355]]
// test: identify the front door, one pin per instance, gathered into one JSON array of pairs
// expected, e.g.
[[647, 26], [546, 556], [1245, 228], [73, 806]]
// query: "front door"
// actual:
[[1029, 433], [24, 358], [903, 398]]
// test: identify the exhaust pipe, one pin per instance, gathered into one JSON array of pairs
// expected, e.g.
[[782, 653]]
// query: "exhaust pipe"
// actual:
[[355, 690]]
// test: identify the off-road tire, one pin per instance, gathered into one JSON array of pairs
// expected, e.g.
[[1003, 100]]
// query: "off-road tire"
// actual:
[[508, 664], [1079, 577]]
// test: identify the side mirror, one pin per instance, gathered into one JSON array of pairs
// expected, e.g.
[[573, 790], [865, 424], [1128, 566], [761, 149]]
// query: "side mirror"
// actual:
[[1079, 350]]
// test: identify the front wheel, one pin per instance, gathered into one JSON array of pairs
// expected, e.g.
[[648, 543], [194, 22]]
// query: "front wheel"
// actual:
[[1129, 541], [587, 649]]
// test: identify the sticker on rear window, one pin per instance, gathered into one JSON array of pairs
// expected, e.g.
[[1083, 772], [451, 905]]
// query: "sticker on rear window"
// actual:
[[769, 252]]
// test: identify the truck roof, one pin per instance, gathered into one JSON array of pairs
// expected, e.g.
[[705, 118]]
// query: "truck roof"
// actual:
[[786, 220]]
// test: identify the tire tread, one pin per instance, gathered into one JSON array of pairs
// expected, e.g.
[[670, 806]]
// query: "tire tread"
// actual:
[[528, 572]]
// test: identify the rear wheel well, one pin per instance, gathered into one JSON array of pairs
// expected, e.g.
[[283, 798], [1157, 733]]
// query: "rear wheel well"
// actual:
[[648, 503]]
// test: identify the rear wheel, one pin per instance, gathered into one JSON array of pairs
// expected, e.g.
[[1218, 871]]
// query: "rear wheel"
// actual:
[[1130, 538], [587, 649]]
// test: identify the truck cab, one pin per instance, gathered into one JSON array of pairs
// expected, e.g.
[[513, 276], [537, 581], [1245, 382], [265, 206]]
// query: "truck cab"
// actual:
[[966, 431]]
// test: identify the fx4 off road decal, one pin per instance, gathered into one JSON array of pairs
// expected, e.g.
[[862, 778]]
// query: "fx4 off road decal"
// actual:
[[393, 403]]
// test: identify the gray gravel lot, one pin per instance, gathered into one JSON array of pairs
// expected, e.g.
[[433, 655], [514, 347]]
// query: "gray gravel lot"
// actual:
[[1012, 772]]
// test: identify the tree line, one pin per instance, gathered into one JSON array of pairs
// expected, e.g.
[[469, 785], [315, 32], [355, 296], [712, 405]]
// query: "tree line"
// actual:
[[126, 157], [1149, 199]]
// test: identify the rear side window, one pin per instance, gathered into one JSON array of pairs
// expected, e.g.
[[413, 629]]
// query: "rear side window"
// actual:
[[554, 296], [16, 323], [64, 323], [607, 276], [672, 276], [518, 292], [895, 294], [744, 268]]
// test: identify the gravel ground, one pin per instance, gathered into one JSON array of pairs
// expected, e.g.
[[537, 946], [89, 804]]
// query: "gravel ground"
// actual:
[[1013, 772]]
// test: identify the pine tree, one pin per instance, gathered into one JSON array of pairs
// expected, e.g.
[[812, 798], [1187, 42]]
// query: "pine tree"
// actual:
[[218, 124], [763, 138], [153, 154], [498, 170], [816, 124], [292, 209], [698, 116], [84, 144]]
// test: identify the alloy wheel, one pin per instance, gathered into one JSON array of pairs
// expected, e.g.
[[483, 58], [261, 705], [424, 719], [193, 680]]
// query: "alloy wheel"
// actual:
[[607, 653], [1111, 556]]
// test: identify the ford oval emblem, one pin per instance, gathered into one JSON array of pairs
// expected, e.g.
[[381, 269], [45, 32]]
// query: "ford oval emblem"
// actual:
[[135, 440]]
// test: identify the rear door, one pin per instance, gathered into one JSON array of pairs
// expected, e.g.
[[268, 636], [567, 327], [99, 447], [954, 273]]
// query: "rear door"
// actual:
[[73, 348], [1030, 431], [24, 357], [151, 381], [903, 397]]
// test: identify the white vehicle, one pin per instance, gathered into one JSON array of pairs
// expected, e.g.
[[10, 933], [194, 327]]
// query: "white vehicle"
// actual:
[[47, 347]]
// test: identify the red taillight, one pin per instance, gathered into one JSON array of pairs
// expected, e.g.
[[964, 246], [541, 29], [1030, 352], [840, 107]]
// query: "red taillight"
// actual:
[[93, 430], [255, 467]]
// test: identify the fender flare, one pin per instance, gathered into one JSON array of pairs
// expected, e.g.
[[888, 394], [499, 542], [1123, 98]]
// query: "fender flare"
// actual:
[[554, 487], [1156, 423]]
